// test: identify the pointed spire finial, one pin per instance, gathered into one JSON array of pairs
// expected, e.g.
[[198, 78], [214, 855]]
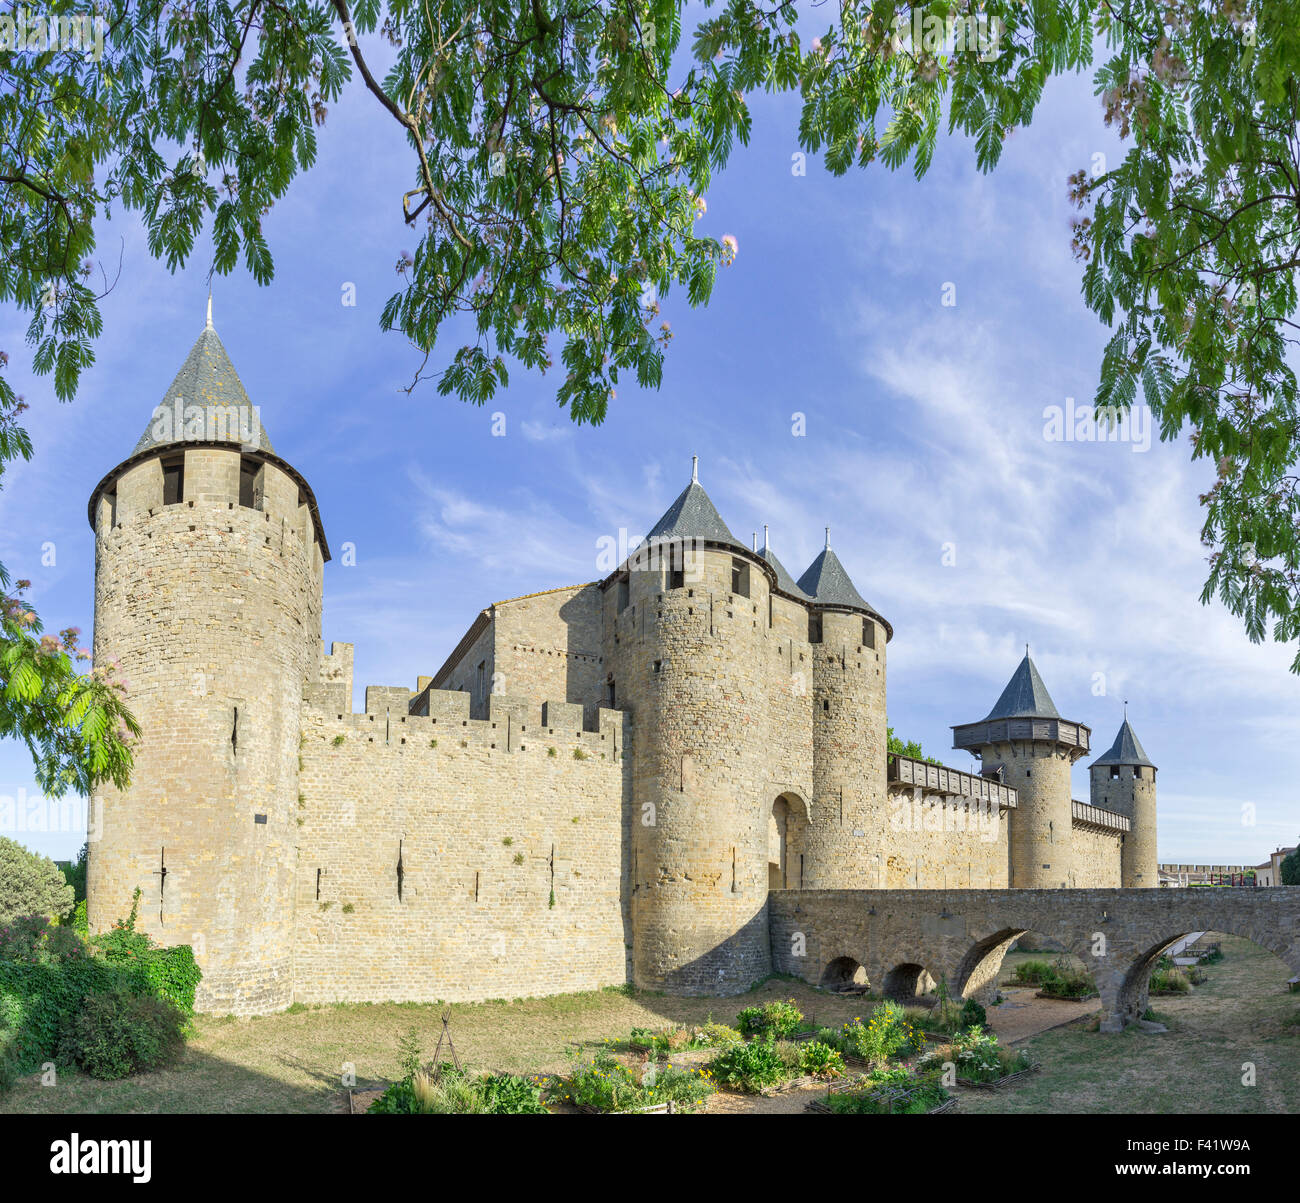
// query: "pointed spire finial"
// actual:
[[828, 538], [695, 468], [754, 541], [209, 322], [1026, 651], [766, 545]]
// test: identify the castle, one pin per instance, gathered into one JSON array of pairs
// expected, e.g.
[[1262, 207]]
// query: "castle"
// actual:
[[601, 784]]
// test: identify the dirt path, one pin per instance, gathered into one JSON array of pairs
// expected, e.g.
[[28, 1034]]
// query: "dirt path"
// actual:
[[1023, 1015]]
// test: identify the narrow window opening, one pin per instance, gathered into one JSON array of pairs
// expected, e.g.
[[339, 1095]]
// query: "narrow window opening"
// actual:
[[740, 578], [610, 690], [826, 705], [868, 633], [624, 594], [1137, 772], [251, 482], [676, 572], [173, 481], [814, 628], [112, 509], [401, 871], [317, 885], [481, 680], [234, 733], [1114, 772]]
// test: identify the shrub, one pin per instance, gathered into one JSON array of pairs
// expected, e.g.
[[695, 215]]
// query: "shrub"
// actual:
[[751, 1067], [972, 1014], [509, 1094], [977, 1056], [715, 1035], [47, 974], [1031, 973], [887, 1033], [607, 1085], [1168, 978], [775, 1019], [820, 1059], [118, 1033], [30, 884]]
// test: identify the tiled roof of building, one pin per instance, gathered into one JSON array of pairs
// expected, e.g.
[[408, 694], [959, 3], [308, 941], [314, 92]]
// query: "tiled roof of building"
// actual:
[[1025, 695], [826, 581], [207, 378], [1126, 749]]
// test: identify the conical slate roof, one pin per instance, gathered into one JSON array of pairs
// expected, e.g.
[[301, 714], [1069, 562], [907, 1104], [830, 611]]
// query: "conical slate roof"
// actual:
[[1025, 696], [784, 581], [1126, 749], [826, 581], [208, 379], [693, 516]]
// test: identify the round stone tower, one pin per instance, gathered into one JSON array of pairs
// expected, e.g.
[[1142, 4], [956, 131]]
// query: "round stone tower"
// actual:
[[849, 744], [1124, 780], [686, 618], [1026, 743], [209, 554]]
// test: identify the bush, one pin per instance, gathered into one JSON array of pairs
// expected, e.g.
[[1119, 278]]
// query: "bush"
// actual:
[[820, 1059], [116, 1034], [887, 1033], [972, 1014], [775, 1019], [47, 973], [752, 1067], [715, 1035], [509, 1094], [30, 884], [1031, 973], [977, 1056], [607, 1085]]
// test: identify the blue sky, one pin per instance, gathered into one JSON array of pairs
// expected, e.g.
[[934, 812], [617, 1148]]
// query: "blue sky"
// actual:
[[924, 450]]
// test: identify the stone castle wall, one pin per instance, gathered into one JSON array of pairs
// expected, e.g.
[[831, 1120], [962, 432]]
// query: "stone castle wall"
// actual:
[[1095, 859], [510, 832]]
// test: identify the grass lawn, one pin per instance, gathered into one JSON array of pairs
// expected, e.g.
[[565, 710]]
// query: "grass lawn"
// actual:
[[292, 1062], [1242, 1014]]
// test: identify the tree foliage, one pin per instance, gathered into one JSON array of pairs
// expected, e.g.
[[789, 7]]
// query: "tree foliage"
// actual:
[[30, 884], [560, 152], [1290, 869]]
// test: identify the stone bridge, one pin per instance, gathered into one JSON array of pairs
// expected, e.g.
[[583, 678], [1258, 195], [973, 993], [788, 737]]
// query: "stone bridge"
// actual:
[[961, 936]]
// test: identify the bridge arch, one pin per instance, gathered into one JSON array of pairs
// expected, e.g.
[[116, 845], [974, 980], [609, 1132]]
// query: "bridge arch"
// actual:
[[845, 973], [907, 981], [1134, 990], [979, 967]]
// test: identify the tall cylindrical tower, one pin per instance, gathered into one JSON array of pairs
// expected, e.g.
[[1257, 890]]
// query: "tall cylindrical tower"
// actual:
[[685, 621], [1124, 780], [208, 568], [848, 639], [1029, 746]]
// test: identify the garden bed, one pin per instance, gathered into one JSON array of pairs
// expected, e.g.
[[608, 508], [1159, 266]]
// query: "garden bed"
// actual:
[[655, 1109], [1067, 997], [999, 1083], [821, 1107]]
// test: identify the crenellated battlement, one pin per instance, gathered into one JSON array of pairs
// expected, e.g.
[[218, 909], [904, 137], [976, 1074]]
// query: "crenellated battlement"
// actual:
[[439, 719]]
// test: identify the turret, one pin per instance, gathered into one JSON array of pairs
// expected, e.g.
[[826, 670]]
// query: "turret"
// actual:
[[848, 638], [1124, 780], [686, 619], [1025, 743], [209, 554]]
